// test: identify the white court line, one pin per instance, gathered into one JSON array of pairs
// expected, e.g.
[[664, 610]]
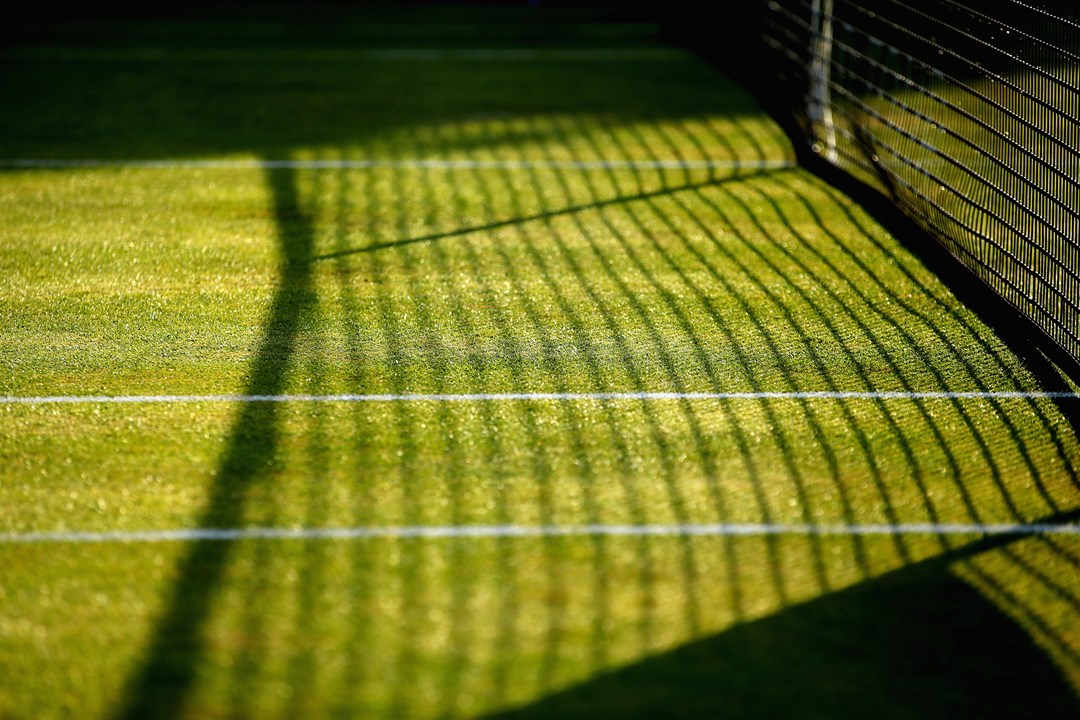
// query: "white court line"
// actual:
[[526, 531], [148, 54], [520, 397], [409, 163]]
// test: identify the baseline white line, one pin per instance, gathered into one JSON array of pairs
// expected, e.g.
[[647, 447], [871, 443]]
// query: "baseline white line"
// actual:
[[403, 164], [523, 397], [525, 531]]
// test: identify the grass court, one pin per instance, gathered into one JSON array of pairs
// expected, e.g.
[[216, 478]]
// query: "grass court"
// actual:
[[429, 362]]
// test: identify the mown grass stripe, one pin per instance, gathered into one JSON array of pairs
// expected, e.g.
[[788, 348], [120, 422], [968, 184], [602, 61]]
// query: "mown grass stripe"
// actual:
[[519, 397], [525, 531]]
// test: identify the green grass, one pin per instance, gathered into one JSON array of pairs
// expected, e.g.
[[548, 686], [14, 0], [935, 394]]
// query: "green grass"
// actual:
[[141, 280]]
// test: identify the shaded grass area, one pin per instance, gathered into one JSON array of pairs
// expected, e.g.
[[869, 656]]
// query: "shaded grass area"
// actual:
[[271, 102], [494, 625], [469, 279], [874, 649]]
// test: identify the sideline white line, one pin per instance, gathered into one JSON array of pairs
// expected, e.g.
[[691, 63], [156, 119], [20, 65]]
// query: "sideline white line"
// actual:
[[406, 164], [522, 397], [525, 531]]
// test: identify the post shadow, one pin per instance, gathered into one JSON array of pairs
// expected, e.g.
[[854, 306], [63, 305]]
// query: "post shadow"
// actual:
[[176, 649]]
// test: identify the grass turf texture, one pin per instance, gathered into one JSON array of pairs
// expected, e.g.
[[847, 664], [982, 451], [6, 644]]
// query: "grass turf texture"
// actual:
[[485, 280]]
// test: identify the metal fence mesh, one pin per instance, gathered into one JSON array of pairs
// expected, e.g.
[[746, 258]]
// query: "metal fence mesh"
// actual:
[[966, 115]]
